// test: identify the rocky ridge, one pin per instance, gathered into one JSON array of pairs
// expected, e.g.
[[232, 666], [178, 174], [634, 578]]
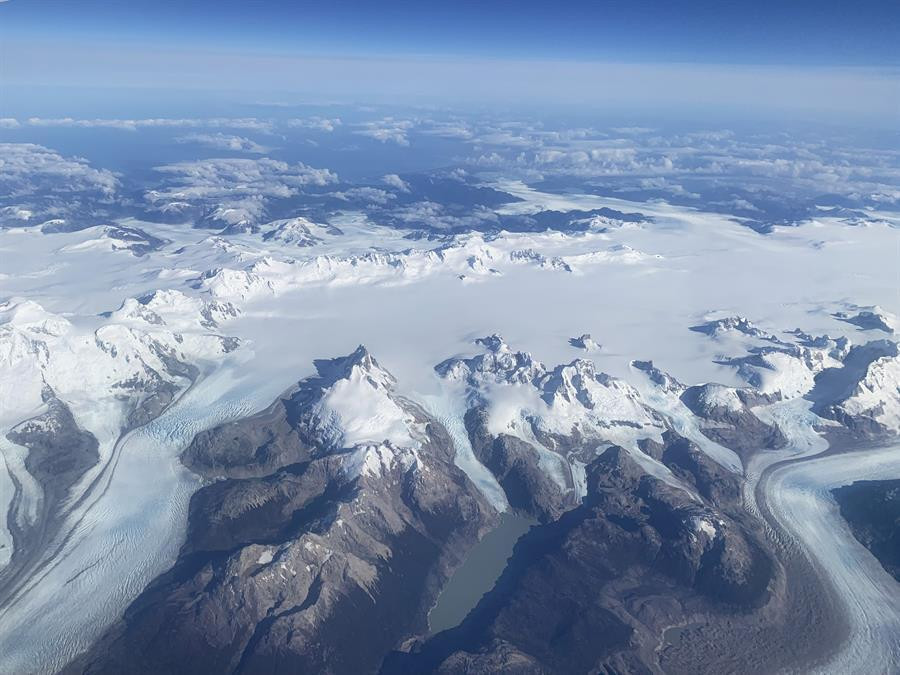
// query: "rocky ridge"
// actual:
[[321, 545]]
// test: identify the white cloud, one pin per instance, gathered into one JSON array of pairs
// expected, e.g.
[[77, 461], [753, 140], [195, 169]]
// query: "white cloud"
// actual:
[[434, 215], [457, 130], [367, 194], [9, 122], [221, 141], [387, 130], [246, 123], [29, 169], [233, 212], [800, 161], [226, 185], [394, 181], [507, 138], [316, 123], [459, 174], [222, 177]]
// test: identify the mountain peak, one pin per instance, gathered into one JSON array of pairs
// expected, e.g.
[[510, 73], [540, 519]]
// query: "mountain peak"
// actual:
[[493, 343]]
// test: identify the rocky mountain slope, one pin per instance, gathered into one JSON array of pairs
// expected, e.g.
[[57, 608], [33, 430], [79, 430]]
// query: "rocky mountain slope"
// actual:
[[872, 509], [320, 544], [596, 589], [77, 392]]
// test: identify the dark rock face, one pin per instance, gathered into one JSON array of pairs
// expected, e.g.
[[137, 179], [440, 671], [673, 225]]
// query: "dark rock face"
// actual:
[[152, 389], [733, 425], [736, 324], [59, 451], [59, 454], [724, 412], [252, 447], [594, 590], [694, 468], [585, 342], [139, 242], [872, 509], [515, 465], [866, 320], [661, 379], [306, 556]]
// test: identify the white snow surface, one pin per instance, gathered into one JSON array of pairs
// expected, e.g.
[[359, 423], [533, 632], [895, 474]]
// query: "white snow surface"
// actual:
[[358, 409], [523, 395], [877, 395], [717, 396]]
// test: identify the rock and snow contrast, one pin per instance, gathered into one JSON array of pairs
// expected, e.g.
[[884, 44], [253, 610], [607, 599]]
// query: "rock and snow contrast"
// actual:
[[585, 342], [202, 463], [873, 318], [322, 518]]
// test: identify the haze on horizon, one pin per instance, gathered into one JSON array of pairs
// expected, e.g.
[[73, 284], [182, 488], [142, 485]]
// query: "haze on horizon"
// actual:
[[764, 59]]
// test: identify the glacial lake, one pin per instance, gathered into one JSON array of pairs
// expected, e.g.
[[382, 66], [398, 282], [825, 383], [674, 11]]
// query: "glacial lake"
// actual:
[[476, 576]]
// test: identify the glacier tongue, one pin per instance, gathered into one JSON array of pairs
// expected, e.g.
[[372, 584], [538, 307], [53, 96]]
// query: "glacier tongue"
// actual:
[[124, 534], [82, 385]]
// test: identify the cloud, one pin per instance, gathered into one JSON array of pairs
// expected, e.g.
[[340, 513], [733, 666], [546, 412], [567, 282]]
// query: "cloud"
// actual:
[[245, 123], [365, 194], [394, 181], [458, 130], [633, 131], [507, 137], [316, 123], [232, 190], [37, 184], [629, 152], [387, 130], [221, 141], [29, 169], [436, 216], [9, 122], [239, 211], [767, 177], [221, 177]]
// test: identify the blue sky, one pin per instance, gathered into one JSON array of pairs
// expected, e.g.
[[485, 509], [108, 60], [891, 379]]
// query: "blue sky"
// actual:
[[833, 58], [863, 32]]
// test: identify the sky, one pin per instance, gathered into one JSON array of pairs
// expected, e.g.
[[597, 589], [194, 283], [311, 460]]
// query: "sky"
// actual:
[[702, 31], [830, 56]]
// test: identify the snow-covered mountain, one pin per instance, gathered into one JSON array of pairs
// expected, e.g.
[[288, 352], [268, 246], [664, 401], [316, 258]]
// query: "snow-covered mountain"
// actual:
[[118, 238], [122, 371], [298, 231], [526, 417], [469, 257], [872, 318], [115, 374], [560, 400], [870, 400], [317, 511]]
